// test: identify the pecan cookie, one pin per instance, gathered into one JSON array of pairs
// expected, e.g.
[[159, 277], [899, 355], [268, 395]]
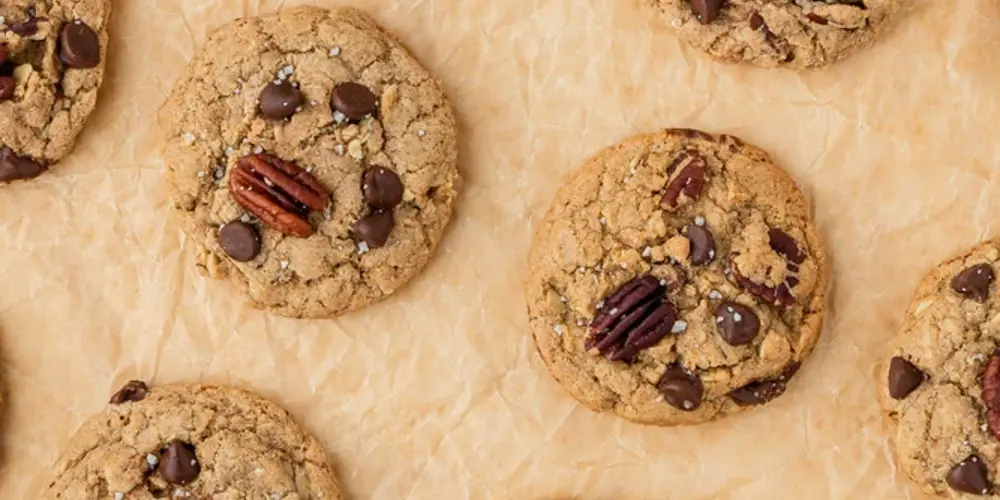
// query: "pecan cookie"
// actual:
[[677, 278], [791, 33], [312, 160], [940, 390], [51, 67], [191, 441]]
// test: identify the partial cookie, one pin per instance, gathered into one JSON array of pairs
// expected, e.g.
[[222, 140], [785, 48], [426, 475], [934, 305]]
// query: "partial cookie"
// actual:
[[677, 278], [940, 389], [312, 160], [51, 67], [791, 33], [191, 441]]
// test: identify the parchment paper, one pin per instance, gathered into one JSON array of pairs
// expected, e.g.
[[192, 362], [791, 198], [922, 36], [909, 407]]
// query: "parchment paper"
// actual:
[[438, 392]]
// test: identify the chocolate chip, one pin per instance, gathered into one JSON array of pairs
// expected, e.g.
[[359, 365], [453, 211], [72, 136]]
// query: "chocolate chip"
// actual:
[[178, 463], [79, 45], [14, 167], [974, 282], [737, 323], [3, 54], [969, 476], [381, 188], [758, 393], [756, 21], [135, 390], [904, 377], [354, 100], [680, 388], [27, 28], [706, 10], [702, 244], [7, 87], [280, 100], [240, 241], [785, 246], [374, 229]]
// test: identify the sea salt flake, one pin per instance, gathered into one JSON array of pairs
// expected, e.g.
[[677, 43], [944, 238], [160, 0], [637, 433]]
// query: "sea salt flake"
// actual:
[[257, 150], [152, 460], [560, 330], [715, 295], [679, 326], [188, 138], [284, 264], [646, 252], [339, 117], [119, 495], [699, 221], [421, 133], [334, 51], [362, 248]]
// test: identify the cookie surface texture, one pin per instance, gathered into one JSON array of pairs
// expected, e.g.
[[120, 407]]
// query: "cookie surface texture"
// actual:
[[191, 441], [940, 385], [311, 160], [676, 278], [789, 33], [52, 57]]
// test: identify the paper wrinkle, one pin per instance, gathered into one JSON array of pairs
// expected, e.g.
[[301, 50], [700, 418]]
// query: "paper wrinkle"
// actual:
[[438, 392]]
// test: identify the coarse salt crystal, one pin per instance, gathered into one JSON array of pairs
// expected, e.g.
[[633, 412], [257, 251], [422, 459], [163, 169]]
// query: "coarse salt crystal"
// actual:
[[334, 51]]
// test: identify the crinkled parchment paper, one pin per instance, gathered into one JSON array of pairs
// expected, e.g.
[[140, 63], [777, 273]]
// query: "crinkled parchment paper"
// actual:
[[438, 392]]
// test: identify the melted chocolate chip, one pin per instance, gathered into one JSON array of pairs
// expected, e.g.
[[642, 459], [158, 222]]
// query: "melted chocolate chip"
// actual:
[[280, 100], [354, 100], [374, 229], [135, 390], [737, 323], [904, 377], [680, 388], [381, 188], [974, 282], [178, 463], [969, 476], [702, 244], [79, 46], [14, 167], [240, 241]]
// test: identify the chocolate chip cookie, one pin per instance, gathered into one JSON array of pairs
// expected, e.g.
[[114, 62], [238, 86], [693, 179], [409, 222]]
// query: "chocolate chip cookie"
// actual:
[[191, 441], [940, 389], [791, 33], [312, 160], [51, 66], [677, 278]]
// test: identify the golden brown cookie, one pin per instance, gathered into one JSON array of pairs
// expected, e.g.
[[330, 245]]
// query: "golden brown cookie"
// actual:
[[312, 160], [191, 441], [677, 278], [940, 390], [790, 33], [52, 57]]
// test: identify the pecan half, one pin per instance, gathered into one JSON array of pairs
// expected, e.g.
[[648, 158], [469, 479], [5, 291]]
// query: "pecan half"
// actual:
[[991, 393], [278, 192], [689, 182], [633, 318]]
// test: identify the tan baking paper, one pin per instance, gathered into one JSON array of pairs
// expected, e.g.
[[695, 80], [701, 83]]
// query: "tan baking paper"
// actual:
[[438, 392]]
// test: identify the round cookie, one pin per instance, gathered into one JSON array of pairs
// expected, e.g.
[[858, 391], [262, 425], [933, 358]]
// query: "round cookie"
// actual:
[[790, 33], [311, 159], [940, 390], [677, 278], [51, 66], [191, 441]]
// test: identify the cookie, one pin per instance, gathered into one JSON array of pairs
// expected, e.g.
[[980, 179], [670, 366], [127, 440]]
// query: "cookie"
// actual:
[[790, 33], [191, 441], [677, 278], [52, 58], [312, 160], [940, 386]]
